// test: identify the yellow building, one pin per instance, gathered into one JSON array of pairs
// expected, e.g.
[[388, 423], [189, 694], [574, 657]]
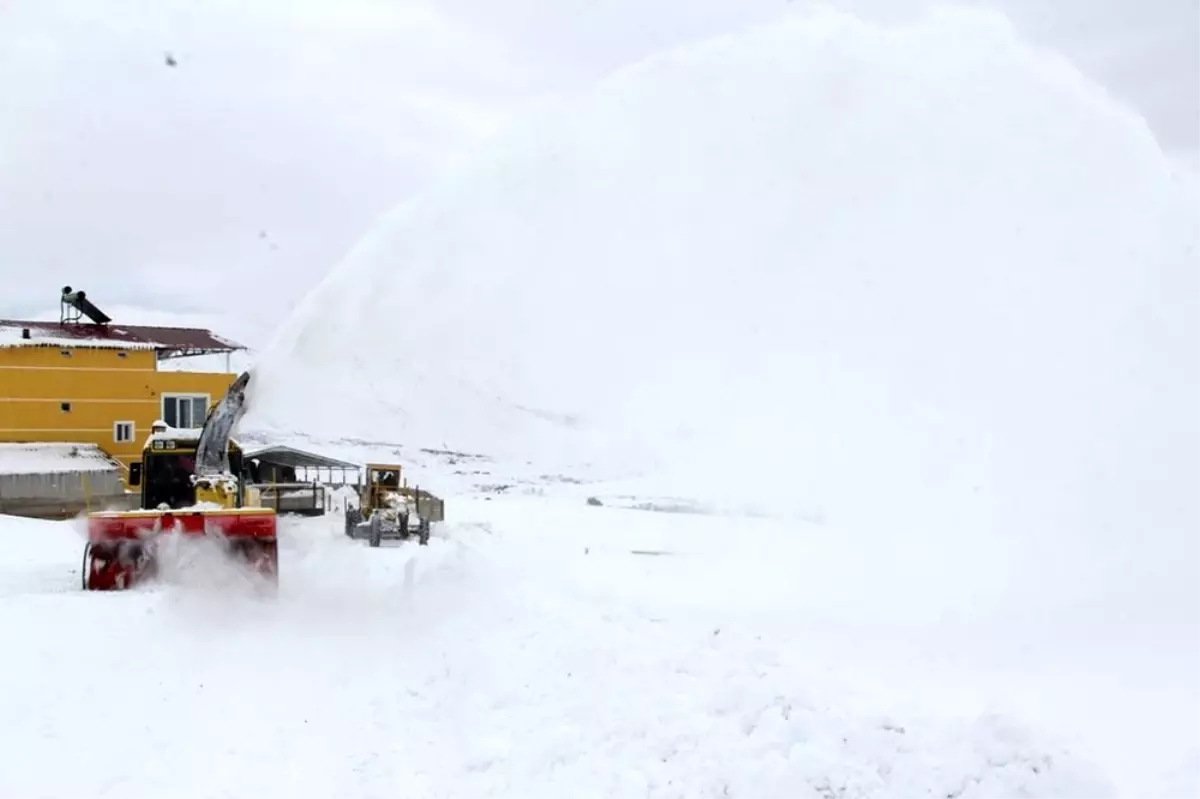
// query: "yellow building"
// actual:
[[100, 383]]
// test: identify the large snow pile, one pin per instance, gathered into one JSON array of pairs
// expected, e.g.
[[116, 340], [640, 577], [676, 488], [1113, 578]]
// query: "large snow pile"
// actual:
[[921, 273]]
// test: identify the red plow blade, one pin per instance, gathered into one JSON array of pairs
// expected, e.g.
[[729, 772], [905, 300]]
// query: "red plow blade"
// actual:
[[122, 545]]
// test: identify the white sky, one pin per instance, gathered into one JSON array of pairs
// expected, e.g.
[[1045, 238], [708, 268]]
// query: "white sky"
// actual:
[[225, 187]]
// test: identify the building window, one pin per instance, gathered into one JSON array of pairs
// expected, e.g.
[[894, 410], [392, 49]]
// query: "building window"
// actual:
[[123, 432], [185, 410]]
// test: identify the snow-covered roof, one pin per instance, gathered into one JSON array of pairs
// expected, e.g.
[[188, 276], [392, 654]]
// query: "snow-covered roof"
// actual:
[[297, 458], [13, 335], [187, 435], [54, 458], [175, 340], [177, 436]]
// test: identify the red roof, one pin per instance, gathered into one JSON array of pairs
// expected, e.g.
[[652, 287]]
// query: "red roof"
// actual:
[[164, 339]]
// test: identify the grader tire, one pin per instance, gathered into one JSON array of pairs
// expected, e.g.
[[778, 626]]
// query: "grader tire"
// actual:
[[353, 517]]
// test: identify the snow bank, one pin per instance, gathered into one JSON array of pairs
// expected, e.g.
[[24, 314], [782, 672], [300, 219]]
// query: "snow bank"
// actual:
[[33, 553], [35, 542], [53, 458], [918, 276]]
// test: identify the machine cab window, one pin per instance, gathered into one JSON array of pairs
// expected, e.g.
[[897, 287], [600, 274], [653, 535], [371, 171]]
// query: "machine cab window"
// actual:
[[386, 478]]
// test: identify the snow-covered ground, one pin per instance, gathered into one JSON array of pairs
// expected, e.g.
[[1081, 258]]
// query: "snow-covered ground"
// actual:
[[647, 645], [876, 347], [543, 646], [910, 311]]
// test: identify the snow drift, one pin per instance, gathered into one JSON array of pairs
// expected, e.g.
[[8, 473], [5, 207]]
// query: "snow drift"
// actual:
[[922, 273]]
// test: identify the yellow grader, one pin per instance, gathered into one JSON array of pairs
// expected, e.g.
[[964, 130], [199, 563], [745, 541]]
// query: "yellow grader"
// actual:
[[389, 509]]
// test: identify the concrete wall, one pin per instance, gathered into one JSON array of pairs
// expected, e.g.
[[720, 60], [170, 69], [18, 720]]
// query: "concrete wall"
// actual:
[[64, 494]]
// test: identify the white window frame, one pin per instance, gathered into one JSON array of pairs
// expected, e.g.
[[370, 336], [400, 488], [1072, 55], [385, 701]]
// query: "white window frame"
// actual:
[[117, 432], [170, 395]]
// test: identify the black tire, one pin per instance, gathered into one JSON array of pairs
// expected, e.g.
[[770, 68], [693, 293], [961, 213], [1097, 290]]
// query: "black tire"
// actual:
[[376, 529], [87, 565], [424, 533]]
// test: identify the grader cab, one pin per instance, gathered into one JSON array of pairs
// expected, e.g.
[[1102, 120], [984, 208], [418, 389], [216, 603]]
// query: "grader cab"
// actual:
[[191, 483], [391, 510]]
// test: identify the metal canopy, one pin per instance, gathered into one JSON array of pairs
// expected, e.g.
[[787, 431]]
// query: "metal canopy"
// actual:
[[296, 458]]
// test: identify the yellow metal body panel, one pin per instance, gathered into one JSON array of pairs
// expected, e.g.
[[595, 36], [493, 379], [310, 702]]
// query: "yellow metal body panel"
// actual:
[[48, 396], [428, 506], [177, 450], [215, 496]]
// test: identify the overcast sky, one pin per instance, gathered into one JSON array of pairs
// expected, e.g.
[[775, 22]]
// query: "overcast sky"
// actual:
[[287, 126]]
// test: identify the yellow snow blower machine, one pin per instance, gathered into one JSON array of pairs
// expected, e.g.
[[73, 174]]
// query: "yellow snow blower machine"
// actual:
[[389, 509], [192, 483]]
